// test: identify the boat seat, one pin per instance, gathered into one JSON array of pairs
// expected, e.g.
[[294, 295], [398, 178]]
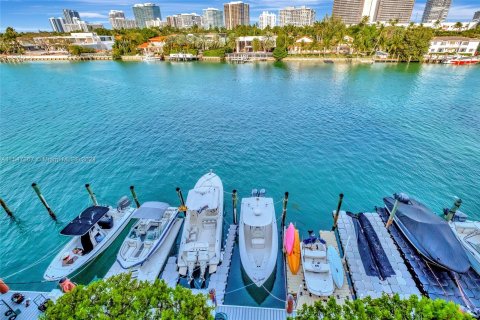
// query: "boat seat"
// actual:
[[258, 243], [192, 234], [152, 235], [209, 224], [314, 254], [258, 232], [317, 267]]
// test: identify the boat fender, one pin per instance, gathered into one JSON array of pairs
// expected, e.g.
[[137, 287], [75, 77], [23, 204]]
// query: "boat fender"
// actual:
[[290, 303], [3, 287], [66, 285]]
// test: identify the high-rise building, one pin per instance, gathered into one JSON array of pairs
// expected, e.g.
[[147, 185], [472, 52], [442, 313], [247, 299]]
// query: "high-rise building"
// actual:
[[436, 10], [267, 19], [184, 20], [476, 17], [69, 15], [57, 24], [353, 11], [296, 16], [212, 18], [156, 23], [118, 21], [236, 13], [394, 10], [144, 12]]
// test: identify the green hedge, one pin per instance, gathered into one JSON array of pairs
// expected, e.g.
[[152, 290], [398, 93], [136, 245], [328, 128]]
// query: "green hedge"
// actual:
[[384, 308], [214, 53]]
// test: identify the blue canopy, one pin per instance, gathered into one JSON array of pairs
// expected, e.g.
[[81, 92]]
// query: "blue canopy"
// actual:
[[85, 221]]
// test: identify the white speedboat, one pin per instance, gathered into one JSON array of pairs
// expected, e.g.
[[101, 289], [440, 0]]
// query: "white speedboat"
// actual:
[[468, 232], [202, 232], [258, 237], [316, 268], [92, 231], [147, 235]]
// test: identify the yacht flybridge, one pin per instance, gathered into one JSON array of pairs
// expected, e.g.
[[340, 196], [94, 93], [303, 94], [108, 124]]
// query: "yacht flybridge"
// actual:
[[92, 231], [147, 235], [202, 232], [258, 237]]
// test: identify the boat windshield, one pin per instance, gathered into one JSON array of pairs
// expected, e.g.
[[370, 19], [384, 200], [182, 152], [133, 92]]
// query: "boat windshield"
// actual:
[[474, 240]]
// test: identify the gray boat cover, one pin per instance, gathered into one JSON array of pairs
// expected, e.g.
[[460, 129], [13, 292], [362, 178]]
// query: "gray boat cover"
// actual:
[[429, 234], [151, 210]]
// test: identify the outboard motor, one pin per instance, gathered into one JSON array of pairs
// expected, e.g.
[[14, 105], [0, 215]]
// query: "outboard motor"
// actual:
[[402, 197], [254, 193], [262, 192], [123, 203]]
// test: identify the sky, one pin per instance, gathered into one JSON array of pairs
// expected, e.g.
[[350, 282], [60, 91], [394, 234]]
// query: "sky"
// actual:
[[32, 15]]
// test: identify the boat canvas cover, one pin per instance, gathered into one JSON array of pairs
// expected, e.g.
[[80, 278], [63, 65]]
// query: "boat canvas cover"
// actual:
[[203, 197], [430, 234], [257, 212], [151, 210], [85, 221]]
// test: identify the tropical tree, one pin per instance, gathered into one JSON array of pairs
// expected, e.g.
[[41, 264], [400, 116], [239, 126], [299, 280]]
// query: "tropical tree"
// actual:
[[256, 45], [386, 307], [121, 297], [458, 25], [9, 43]]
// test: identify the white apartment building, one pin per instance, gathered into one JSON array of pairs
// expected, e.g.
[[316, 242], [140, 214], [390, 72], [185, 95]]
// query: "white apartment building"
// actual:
[[296, 16], [461, 45], [118, 21], [212, 18], [267, 19], [155, 23]]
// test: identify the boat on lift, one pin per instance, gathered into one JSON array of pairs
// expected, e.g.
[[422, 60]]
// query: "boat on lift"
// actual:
[[202, 232], [460, 61], [428, 233], [147, 235], [258, 237], [91, 232], [316, 267]]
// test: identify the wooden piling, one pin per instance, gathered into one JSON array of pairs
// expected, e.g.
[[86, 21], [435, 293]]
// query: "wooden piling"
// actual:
[[234, 205], [284, 212], [134, 195], [182, 207], [337, 212], [392, 214], [92, 195], [36, 188], [6, 208]]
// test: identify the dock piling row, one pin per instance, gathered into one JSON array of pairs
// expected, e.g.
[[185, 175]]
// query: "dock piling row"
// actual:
[[134, 195], [6, 208], [36, 188], [337, 213], [92, 195]]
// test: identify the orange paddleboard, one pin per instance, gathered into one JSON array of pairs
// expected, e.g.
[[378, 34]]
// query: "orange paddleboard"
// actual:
[[294, 258]]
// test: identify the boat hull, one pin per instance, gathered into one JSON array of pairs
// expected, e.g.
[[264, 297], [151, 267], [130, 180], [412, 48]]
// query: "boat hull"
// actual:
[[473, 255]]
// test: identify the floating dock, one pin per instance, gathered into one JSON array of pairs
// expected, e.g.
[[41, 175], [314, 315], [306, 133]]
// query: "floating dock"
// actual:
[[243, 312], [435, 282], [364, 285], [296, 283], [25, 313], [218, 280], [150, 270]]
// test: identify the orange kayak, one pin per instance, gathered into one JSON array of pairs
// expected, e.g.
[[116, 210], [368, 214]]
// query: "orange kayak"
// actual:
[[293, 259]]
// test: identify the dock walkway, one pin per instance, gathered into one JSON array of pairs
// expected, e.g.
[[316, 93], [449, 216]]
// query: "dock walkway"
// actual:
[[364, 285], [218, 280], [296, 283], [244, 313], [150, 270], [433, 281]]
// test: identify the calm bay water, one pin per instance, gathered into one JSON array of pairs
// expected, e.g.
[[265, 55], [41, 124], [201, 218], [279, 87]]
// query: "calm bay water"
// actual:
[[312, 130]]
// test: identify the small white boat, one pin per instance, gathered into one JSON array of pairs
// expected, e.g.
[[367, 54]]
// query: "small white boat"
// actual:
[[148, 234], [258, 237], [202, 232], [92, 231], [316, 268], [468, 232]]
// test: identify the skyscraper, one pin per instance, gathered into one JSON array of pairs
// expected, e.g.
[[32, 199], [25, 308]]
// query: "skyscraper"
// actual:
[[296, 16], [267, 19], [476, 17], [394, 10], [436, 10], [236, 13], [212, 18], [57, 24], [349, 11], [184, 20], [144, 12], [353, 11], [69, 15], [118, 21]]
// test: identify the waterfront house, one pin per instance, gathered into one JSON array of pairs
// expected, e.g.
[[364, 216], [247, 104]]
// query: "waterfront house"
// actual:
[[453, 45], [59, 44], [153, 45], [245, 44], [301, 45]]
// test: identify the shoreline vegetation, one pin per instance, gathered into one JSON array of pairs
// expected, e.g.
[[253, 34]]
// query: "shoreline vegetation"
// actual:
[[330, 39]]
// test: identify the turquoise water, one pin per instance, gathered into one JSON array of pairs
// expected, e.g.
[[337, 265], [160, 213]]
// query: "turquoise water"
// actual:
[[312, 130]]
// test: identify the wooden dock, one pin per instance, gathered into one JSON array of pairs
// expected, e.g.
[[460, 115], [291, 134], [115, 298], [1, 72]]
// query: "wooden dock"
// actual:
[[150, 270], [296, 283]]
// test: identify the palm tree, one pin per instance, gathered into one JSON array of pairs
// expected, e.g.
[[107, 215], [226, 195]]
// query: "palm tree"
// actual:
[[458, 25]]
